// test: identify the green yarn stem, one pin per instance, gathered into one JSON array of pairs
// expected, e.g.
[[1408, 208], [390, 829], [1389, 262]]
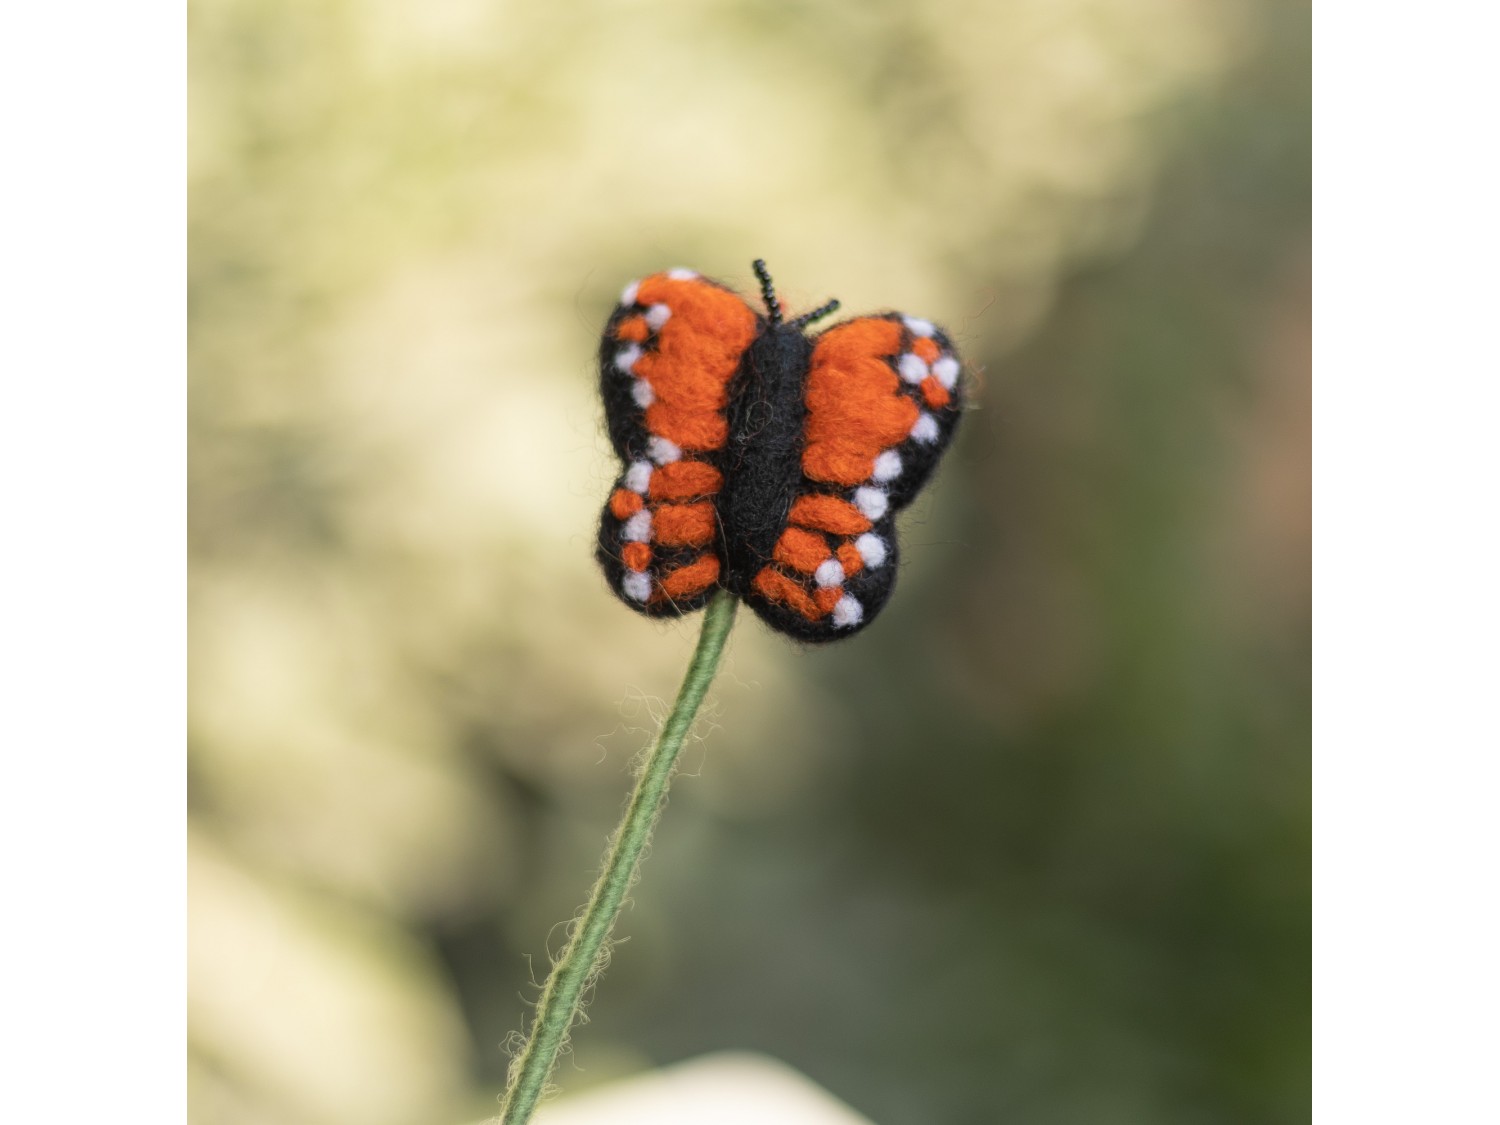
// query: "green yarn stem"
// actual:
[[583, 958]]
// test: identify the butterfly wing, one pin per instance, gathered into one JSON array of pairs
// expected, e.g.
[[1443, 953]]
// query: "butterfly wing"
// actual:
[[883, 397], [668, 354]]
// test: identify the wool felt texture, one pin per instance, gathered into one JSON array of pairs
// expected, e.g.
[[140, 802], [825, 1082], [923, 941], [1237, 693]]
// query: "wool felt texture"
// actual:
[[761, 461]]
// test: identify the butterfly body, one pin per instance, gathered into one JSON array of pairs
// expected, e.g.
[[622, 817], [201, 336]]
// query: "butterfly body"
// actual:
[[763, 461], [761, 458]]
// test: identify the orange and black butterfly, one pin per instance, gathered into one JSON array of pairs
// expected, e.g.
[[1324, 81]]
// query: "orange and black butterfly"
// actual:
[[763, 461]]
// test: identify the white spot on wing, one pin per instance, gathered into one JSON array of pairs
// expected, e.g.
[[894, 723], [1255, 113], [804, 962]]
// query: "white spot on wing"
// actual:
[[847, 613], [871, 502], [627, 295], [637, 528], [637, 585], [829, 573], [919, 327], [664, 452], [946, 369], [657, 315], [925, 429], [913, 368], [887, 466], [638, 476], [642, 393], [871, 548], [627, 357], [680, 274]]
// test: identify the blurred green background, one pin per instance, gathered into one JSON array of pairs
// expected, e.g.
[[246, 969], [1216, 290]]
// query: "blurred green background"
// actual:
[[1034, 847]]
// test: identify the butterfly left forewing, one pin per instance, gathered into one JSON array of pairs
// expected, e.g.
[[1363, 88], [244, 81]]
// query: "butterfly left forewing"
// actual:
[[883, 398], [668, 354]]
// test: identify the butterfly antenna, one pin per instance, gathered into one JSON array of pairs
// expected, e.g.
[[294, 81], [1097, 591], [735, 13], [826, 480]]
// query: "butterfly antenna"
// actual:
[[817, 314], [767, 290]]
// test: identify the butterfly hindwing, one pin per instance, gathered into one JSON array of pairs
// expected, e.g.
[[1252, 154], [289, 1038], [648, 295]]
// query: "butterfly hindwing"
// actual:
[[882, 400], [666, 360]]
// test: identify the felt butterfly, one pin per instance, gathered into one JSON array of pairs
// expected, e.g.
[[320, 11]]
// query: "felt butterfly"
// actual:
[[763, 461]]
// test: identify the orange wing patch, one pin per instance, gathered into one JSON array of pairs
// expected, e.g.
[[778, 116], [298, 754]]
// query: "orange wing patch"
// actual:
[[685, 480], [828, 513], [774, 586], [683, 525], [636, 556], [633, 330], [854, 407], [691, 579], [624, 503], [801, 550], [934, 393], [699, 343], [826, 597]]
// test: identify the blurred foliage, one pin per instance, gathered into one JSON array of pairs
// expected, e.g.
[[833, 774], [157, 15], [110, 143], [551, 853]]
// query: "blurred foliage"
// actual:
[[1035, 847]]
